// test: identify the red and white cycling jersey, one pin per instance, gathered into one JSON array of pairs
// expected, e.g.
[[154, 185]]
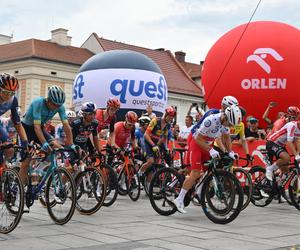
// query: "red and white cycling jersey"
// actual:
[[288, 132], [211, 128]]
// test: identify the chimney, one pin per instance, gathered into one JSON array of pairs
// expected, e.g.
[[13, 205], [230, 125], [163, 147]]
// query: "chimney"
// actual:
[[60, 36], [180, 56], [5, 39], [160, 49]]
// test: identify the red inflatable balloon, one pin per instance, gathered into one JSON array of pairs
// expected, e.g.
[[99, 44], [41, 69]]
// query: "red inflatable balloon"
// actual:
[[262, 67]]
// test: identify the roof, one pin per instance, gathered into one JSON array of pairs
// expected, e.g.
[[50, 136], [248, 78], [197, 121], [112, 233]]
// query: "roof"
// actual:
[[193, 69], [34, 48], [177, 79]]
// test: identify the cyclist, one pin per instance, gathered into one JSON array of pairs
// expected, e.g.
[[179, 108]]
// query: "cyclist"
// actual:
[[124, 132], [156, 136], [107, 118], [8, 101], [227, 101], [140, 131], [85, 126], [288, 135], [41, 110], [60, 135], [237, 135], [213, 126]]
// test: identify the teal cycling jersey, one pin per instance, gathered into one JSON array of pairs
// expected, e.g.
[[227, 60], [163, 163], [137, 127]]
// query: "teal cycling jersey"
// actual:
[[39, 113]]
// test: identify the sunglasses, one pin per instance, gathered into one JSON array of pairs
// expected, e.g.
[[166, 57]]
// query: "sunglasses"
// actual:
[[130, 124], [7, 92]]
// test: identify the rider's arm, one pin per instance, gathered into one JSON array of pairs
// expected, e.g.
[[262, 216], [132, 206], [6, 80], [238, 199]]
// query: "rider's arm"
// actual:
[[290, 137], [266, 113], [21, 131], [97, 143], [243, 139], [227, 142], [220, 144]]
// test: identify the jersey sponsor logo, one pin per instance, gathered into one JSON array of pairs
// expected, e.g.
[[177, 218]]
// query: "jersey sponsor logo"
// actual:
[[77, 89], [207, 123]]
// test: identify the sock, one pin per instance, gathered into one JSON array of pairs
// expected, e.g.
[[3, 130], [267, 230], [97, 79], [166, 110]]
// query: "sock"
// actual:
[[182, 194], [273, 167]]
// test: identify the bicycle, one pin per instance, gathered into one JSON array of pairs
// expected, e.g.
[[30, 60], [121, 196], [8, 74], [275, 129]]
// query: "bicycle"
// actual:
[[56, 182], [128, 174], [221, 195], [11, 196], [264, 190], [90, 185], [100, 161]]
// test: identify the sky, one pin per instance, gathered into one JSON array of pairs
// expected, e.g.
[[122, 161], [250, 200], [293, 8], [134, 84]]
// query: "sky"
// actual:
[[192, 26]]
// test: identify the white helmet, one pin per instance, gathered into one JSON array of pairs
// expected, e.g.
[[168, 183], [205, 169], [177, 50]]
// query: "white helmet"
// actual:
[[79, 114], [70, 114], [234, 114], [229, 100]]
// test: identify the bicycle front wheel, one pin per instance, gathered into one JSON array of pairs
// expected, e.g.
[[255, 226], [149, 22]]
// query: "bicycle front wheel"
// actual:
[[90, 190], [60, 196], [11, 200], [246, 184], [221, 197], [164, 188]]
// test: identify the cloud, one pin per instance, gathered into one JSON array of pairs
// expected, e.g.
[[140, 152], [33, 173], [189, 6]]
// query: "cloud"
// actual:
[[189, 25]]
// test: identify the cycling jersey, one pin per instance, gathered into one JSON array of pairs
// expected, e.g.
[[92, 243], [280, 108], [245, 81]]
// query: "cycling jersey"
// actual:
[[207, 113], [156, 131], [11, 105], [123, 135], [139, 135], [211, 128], [288, 132], [39, 113], [9, 127], [82, 132], [103, 124], [236, 132]]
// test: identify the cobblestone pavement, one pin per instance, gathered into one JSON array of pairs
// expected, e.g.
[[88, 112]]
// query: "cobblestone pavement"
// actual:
[[135, 225]]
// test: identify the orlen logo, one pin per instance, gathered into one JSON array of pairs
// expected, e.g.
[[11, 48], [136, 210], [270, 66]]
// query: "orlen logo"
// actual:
[[77, 90], [259, 56], [123, 87]]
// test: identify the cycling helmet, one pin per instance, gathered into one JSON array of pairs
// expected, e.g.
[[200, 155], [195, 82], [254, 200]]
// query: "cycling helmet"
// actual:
[[88, 107], [79, 114], [293, 111], [233, 114], [170, 111], [8, 82], [113, 103], [229, 100], [70, 114], [144, 120], [56, 95], [131, 117]]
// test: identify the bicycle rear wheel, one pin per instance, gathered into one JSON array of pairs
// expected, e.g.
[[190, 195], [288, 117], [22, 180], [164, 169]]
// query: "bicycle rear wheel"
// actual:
[[60, 196], [164, 187], [262, 194], [221, 197], [11, 200], [90, 190]]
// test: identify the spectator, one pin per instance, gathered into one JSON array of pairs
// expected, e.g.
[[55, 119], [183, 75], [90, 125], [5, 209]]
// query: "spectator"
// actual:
[[253, 132], [175, 131], [149, 112], [186, 130], [267, 111], [199, 113]]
